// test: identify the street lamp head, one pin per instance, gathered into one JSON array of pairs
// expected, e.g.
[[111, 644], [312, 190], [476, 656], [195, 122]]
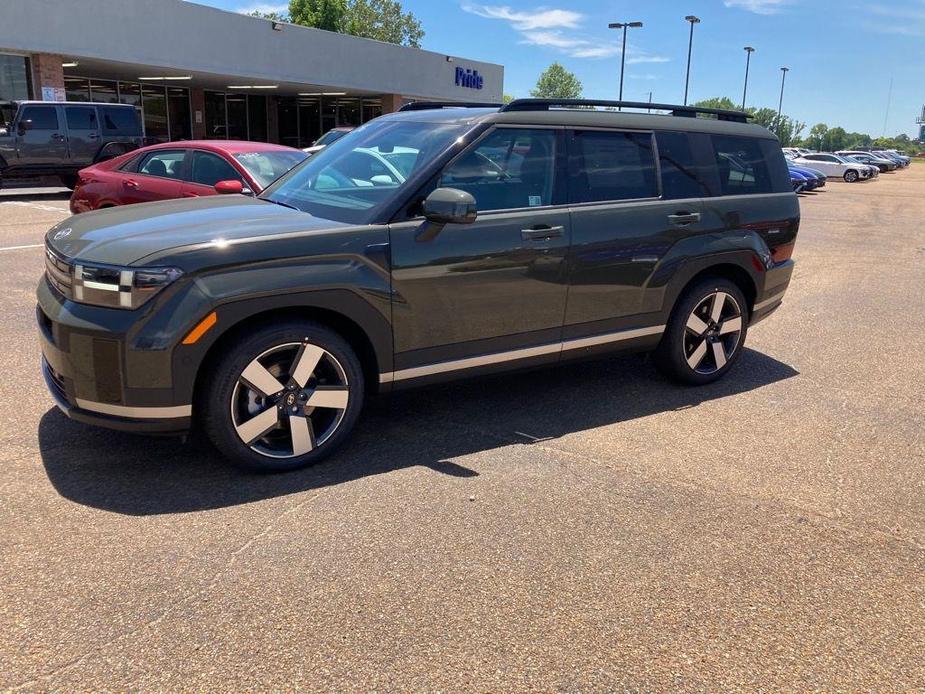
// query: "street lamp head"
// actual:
[[749, 49], [635, 25], [785, 69], [623, 25], [692, 19]]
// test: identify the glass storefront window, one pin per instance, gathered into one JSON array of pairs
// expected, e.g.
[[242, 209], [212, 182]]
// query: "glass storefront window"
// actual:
[[328, 114], [104, 91], [309, 122], [130, 93], [178, 114], [237, 116], [14, 77], [77, 88], [287, 117], [372, 108], [215, 116], [348, 112], [257, 118], [154, 105]]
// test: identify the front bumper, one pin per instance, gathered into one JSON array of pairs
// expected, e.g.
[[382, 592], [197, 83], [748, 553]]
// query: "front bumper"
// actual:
[[94, 377]]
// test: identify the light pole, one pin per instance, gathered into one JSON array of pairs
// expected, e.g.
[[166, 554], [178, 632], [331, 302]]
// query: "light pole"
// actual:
[[624, 26], [780, 105], [690, 46], [748, 59]]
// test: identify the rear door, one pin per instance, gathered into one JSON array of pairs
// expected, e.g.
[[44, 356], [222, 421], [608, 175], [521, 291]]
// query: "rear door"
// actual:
[[41, 139], [205, 169], [158, 176], [83, 134], [624, 221]]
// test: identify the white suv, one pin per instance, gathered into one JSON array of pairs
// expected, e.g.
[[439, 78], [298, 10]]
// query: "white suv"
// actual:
[[835, 166]]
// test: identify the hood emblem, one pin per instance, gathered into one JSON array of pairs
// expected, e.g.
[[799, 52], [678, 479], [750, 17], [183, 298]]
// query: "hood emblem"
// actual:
[[62, 234]]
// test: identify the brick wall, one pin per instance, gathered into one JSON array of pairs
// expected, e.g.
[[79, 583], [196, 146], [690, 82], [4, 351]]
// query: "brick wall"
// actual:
[[47, 72]]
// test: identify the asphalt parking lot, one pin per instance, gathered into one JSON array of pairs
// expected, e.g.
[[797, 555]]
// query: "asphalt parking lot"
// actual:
[[591, 528]]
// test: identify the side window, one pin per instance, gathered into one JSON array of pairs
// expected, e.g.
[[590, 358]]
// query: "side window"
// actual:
[[42, 117], [81, 118], [681, 177], [120, 121], [743, 169], [510, 168], [208, 169], [166, 163], [611, 166]]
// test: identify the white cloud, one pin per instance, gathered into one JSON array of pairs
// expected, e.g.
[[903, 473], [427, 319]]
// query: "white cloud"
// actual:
[[527, 21], [544, 27], [758, 6], [265, 8]]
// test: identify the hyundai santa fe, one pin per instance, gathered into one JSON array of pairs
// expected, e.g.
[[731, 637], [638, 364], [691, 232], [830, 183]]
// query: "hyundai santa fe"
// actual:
[[429, 244]]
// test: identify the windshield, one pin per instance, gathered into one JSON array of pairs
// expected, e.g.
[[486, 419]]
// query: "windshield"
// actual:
[[266, 167], [353, 179], [330, 136]]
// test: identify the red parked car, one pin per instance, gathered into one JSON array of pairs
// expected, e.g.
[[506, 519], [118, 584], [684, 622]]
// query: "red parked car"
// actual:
[[186, 169]]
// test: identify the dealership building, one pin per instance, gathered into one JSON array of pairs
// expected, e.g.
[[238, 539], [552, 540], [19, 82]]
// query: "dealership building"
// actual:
[[196, 72]]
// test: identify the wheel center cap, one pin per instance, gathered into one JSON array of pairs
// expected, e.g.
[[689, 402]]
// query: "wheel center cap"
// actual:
[[290, 399]]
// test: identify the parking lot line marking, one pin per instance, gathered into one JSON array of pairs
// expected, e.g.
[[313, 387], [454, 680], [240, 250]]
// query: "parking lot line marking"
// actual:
[[17, 248], [35, 205]]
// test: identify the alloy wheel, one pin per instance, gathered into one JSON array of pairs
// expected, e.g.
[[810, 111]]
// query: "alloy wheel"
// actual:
[[712, 333], [289, 400]]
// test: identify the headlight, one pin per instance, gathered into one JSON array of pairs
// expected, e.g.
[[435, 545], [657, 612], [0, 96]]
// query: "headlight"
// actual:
[[115, 287]]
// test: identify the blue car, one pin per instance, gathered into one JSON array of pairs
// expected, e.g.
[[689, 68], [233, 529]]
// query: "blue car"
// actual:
[[800, 182], [820, 178]]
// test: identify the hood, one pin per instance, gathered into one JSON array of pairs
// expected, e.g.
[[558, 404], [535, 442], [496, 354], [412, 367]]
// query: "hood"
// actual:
[[127, 234]]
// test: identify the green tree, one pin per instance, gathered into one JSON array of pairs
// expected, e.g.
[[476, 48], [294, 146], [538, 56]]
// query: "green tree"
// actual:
[[817, 136], [272, 16], [506, 99], [557, 83], [766, 117], [720, 102], [835, 139], [329, 15], [382, 20]]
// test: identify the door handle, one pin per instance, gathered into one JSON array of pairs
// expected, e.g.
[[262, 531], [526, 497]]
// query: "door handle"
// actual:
[[684, 218], [57, 136], [190, 195], [131, 184], [541, 232], [93, 136]]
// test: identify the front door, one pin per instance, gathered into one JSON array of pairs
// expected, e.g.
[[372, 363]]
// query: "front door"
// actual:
[[83, 134], [41, 139], [158, 177], [492, 292], [204, 171]]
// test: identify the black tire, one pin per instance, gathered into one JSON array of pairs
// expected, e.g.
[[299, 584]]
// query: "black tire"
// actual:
[[227, 396], [851, 176], [69, 181], [681, 344]]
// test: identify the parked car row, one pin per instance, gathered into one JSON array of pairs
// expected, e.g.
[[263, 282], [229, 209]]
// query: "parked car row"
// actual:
[[807, 168]]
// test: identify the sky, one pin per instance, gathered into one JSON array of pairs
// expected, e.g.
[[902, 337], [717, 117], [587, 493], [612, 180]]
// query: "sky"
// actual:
[[842, 54]]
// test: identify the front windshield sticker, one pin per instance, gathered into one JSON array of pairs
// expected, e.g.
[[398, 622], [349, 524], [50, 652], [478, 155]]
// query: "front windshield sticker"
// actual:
[[535, 200]]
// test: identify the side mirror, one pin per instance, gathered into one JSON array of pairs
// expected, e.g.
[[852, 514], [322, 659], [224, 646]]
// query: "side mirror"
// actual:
[[24, 125], [230, 187], [450, 206], [4, 132]]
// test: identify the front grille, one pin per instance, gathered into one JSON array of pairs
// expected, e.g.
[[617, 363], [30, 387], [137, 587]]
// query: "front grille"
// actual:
[[59, 271]]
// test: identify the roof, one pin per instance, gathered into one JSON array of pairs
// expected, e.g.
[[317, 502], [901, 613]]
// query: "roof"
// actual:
[[583, 118], [230, 146], [31, 102]]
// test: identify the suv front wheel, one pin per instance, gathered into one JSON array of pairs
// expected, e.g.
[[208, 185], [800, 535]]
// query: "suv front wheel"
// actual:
[[283, 397], [705, 334]]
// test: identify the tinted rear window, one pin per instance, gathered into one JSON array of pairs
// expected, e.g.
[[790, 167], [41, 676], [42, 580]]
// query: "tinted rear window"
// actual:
[[742, 166], [81, 118], [611, 166], [682, 177], [120, 121]]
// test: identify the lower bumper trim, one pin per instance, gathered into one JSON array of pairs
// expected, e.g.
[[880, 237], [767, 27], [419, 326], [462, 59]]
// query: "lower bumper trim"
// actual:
[[135, 412]]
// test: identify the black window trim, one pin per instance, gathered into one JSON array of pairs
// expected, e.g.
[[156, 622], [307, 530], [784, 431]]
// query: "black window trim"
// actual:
[[570, 133], [183, 164]]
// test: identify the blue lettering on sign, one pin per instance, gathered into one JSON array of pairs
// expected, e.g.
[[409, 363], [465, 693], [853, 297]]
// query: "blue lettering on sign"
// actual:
[[470, 79]]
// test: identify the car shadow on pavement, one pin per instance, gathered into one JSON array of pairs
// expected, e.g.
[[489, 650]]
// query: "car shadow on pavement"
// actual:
[[137, 475]]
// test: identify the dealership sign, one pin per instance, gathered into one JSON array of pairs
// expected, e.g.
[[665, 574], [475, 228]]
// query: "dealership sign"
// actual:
[[470, 79]]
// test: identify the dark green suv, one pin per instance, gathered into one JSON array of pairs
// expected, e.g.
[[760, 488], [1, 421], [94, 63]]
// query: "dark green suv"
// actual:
[[429, 244]]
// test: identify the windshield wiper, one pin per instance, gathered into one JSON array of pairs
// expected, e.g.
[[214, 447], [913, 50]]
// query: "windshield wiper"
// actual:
[[283, 204]]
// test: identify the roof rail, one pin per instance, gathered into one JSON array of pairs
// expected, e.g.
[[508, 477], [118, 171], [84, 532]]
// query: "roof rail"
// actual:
[[681, 111], [428, 105]]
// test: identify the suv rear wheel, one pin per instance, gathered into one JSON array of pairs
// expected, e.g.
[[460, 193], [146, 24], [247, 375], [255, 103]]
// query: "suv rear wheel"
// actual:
[[283, 397], [851, 176], [705, 334]]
